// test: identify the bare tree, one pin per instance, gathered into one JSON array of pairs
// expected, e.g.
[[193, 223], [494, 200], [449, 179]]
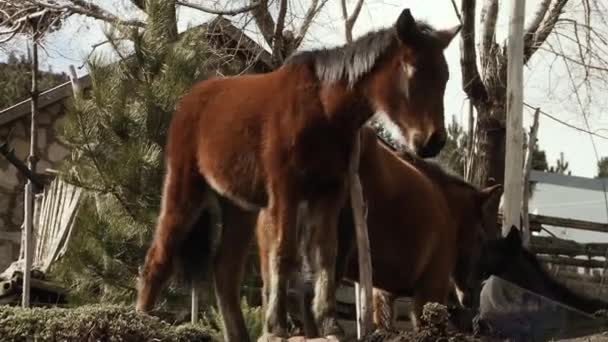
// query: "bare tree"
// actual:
[[284, 42], [484, 66]]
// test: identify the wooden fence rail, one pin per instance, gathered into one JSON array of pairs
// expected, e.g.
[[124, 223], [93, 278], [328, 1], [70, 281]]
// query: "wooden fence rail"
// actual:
[[560, 260], [551, 245], [537, 221]]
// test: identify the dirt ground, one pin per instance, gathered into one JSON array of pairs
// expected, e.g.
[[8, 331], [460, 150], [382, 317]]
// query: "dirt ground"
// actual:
[[591, 338]]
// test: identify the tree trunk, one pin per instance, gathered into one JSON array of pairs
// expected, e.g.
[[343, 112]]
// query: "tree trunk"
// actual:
[[489, 161]]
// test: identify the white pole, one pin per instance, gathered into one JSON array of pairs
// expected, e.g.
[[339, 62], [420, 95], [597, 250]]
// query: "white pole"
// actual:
[[514, 139], [358, 308], [194, 312]]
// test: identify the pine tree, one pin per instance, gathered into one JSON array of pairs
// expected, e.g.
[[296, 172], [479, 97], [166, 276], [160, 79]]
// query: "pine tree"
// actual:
[[561, 166], [602, 168], [15, 83], [454, 153], [116, 133]]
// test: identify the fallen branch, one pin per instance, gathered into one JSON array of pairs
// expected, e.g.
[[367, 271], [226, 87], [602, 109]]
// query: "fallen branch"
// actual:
[[229, 12], [9, 154]]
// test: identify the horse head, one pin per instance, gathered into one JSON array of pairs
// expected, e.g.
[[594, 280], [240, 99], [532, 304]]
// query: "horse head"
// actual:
[[409, 86], [474, 238]]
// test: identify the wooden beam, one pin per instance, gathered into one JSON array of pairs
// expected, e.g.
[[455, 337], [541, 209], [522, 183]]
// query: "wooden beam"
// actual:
[[514, 140], [560, 260], [536, 222], [551, 245], [570, 223], [9, 154], [46, 98], [14, 237]]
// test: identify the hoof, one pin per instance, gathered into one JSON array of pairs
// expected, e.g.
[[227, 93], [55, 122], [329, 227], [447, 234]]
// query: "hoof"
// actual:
[[331, 329], [297, 339], [332, 338], [267, 337]]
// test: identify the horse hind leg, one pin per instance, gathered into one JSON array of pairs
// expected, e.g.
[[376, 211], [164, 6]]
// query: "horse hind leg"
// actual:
[[229, 268], [281, 260], [181, 206], [323, 251], [383, 313]]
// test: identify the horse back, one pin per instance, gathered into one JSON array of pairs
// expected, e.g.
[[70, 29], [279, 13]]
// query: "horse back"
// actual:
[[408, 223]]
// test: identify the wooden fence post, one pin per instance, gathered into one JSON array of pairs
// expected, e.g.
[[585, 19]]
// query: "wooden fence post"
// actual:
[[527, 169], [364, 317], [29, 187]]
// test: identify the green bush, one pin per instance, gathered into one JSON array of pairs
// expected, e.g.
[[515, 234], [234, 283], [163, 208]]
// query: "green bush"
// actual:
[[92, 323], [253, 315]]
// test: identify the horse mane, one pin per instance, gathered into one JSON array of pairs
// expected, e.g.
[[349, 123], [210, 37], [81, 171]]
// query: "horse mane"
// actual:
[[353, 61]]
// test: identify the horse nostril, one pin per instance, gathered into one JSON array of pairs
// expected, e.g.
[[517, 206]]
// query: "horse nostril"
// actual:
[[433, 145], [437, 141]]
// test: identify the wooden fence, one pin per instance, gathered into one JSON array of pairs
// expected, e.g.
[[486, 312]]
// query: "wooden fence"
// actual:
[[565, 258]]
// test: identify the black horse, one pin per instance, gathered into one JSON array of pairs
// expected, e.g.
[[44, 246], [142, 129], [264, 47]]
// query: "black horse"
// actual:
[[523, 294]]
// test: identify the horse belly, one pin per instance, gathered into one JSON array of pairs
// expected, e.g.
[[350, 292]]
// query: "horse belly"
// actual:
[[236, 176]]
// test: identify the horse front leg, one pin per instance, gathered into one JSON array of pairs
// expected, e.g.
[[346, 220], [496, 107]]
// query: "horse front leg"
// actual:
[[281, 260]]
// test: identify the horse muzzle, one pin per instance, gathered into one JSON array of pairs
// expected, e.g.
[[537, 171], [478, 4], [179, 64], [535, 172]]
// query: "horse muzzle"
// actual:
[[431, 147]]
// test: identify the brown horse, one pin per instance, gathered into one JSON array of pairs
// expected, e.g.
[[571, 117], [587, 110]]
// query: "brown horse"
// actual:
[[426, 228], [283, 140]]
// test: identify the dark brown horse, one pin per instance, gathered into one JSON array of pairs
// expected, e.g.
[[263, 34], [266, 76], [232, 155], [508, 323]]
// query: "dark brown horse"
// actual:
[[426, 228], [281, 141]]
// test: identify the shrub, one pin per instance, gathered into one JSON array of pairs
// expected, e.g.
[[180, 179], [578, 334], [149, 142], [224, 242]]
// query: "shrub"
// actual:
[[92, 323]]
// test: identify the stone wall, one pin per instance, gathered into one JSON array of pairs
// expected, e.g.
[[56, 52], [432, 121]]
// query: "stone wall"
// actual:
[[49, 150]]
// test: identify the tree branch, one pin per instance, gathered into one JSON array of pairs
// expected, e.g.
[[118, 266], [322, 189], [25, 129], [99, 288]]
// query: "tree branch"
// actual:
[[312, 12], [277, 39], [264, 20], [229, 12], [349, 21], [489, 14], [84, 8], [456, 11], [94, 11], [532, 44], [543, 7], [471, 81]]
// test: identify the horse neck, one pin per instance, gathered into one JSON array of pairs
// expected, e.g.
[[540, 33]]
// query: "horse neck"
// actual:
[[348, 107], [460, 202]]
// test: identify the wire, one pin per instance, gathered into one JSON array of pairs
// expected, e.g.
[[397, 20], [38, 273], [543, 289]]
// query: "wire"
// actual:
[[583, 111], [567, 124]]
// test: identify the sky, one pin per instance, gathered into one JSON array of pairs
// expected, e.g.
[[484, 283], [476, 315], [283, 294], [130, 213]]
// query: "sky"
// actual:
[[546, 84]]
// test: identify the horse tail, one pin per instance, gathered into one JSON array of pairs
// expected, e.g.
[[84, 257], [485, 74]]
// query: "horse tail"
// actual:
[[194, 258]]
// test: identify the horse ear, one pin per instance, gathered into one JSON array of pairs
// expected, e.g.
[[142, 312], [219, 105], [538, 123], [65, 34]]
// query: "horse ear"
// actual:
[[406, 27], [490, 194], [514, 237], [446, 36]]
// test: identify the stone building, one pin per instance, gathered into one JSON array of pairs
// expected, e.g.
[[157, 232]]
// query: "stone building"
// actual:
[[15, 128]]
